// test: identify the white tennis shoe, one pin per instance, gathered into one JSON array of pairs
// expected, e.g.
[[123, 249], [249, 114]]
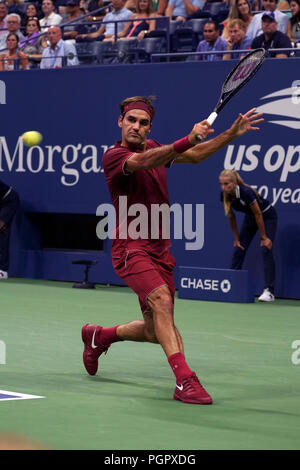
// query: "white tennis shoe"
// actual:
[[3, 274], [266, 296]]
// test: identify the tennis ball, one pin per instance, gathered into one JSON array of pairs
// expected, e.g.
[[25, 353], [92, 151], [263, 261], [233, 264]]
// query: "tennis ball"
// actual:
[[32, 138]]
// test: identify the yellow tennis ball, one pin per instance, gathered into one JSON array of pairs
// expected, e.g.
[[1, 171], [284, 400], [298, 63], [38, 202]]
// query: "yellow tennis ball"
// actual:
[[32, 138]]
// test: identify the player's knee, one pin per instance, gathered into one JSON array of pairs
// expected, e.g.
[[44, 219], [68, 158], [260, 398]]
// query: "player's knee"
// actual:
[[160, 299]]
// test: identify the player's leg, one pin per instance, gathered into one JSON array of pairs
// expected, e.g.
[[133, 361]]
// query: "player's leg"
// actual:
[[188, 388]]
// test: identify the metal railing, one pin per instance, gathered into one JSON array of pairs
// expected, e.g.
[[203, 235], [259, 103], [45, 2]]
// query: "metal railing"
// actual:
[[154, 56]]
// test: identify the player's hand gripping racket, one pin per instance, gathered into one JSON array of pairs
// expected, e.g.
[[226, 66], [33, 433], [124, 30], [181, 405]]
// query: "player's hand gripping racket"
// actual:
[[237, 78]]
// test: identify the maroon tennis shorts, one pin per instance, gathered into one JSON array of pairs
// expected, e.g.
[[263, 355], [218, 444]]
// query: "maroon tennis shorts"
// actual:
[[144, 273]]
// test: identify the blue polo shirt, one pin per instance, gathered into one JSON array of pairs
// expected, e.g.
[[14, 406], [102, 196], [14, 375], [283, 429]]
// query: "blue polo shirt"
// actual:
[[245, 44], [244, 198]]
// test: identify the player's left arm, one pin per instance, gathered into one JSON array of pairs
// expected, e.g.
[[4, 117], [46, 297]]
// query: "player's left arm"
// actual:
[[244, 123]]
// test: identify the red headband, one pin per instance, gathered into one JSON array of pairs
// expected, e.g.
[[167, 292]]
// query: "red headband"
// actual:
[[139, 105]]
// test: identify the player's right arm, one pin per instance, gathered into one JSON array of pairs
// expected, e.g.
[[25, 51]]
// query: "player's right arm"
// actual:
[[160, 156]]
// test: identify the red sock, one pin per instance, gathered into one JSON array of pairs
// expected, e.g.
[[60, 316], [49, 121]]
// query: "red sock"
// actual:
[[108, 336], [179, 365]]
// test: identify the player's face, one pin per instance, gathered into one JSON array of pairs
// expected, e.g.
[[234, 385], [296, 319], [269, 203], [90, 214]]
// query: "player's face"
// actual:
[[227, 186], [135, 126]]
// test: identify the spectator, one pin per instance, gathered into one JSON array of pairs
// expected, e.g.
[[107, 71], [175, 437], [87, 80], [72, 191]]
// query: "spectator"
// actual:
[[139, 29], [59, 51], [255, 27], [12, 59], [211, 42], [271, 37], [283, 5], [240, 9], [30, 12], [13, 26], [293, 31], [33, 44], [237, 40], [3, 19], [194, 9], [50, 18], [176, 10], [160, 6], [73, 13], [9, 203], [107, 30], [95, 5]]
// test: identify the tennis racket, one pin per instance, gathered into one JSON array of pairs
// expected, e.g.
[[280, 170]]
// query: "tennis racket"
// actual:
[[237, 78]]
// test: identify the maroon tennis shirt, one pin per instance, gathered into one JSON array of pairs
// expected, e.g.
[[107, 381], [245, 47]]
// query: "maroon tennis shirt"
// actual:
[[142, 187]]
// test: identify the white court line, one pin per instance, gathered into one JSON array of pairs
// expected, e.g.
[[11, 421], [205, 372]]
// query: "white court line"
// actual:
[[17, 396]]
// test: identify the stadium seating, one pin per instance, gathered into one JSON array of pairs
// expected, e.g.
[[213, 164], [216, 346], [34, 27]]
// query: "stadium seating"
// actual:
[[87, 52], [218, 10]]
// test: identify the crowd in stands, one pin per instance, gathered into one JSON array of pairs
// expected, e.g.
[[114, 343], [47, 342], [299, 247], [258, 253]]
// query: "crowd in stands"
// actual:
[[47, 33]]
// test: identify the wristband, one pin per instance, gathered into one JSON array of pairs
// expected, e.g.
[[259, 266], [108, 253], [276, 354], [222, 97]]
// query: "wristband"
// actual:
[[182, 145]]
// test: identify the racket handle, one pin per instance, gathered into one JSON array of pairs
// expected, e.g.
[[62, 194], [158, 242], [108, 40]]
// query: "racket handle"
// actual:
[[211, 119]]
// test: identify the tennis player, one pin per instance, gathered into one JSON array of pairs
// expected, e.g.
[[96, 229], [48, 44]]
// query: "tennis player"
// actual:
[[260, 216], [136, 168]]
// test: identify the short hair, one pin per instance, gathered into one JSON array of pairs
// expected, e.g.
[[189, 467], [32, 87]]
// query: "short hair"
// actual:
[[146, 99], [14, 14], [237, 22], [214, 22]]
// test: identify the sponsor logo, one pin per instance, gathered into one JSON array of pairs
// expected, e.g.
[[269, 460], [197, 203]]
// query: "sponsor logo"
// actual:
[[206, 284], [93, 340], [284, 103], [225, 286]]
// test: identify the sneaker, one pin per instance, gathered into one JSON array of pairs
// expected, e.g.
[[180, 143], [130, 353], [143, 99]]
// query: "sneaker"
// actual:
[[266, 296], [92, 352], [3, 274], [190, 390]]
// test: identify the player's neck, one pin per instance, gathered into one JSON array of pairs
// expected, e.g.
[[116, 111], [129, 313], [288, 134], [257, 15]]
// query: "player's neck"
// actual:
[[134, 147]]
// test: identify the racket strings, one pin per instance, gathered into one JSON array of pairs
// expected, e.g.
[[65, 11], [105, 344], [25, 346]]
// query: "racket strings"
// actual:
[[243, 71]]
